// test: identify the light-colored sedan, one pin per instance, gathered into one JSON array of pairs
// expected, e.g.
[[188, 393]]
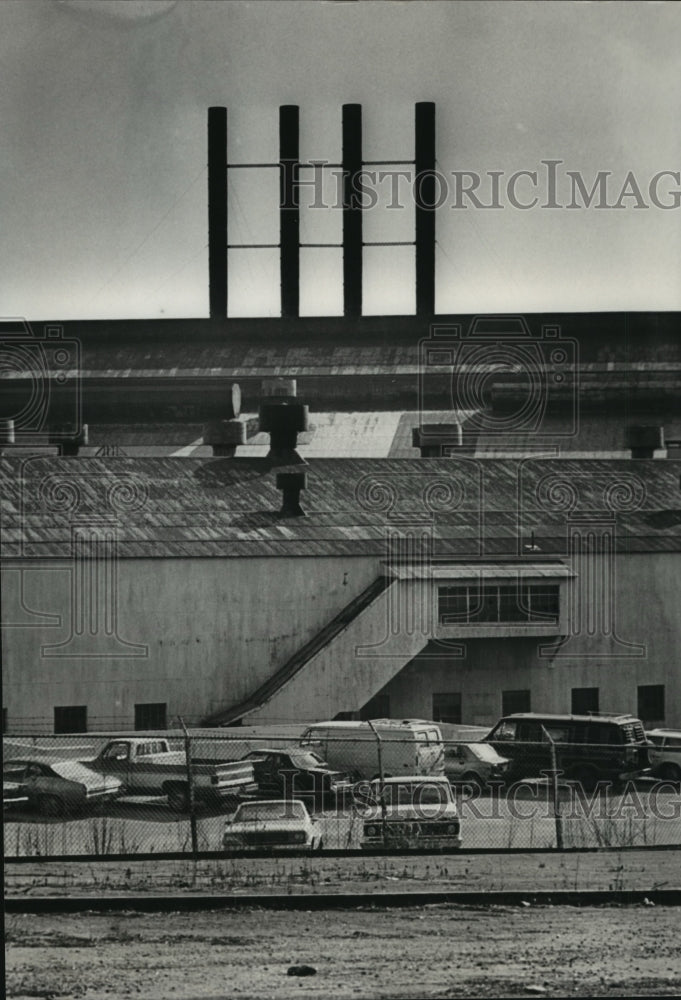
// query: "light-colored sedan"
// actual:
[[272, 823], [474, 764], [57, 787], [665, 753]]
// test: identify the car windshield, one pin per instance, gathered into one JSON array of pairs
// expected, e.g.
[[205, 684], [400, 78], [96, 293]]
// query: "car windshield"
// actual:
[[254, 812], [504, 731], [307, 759]]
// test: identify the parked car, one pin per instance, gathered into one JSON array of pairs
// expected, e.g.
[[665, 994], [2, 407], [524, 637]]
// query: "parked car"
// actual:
[[589, 748], [148, 766], [407, 746], [274, 823], [475, 764], [296, 773], [13, 793], [409, 812], [57, 787], [665, 753]]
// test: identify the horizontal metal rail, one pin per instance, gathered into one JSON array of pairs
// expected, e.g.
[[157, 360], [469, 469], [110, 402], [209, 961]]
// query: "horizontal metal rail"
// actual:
[[373, 852], [340, 900]]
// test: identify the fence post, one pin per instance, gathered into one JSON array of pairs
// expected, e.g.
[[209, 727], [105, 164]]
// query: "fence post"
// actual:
[[555, 791], [190, 784], [381, 778]]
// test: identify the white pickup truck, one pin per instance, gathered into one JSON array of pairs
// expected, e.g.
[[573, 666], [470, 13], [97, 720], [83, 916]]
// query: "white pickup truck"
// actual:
[[149, 767]]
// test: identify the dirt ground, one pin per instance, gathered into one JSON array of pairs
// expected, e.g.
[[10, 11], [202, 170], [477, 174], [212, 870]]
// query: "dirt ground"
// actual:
[[425, 952], [448, 950]]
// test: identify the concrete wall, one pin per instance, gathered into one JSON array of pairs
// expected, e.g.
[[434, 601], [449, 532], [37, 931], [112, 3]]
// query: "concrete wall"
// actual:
[[214, 628], [349, 670], [648, 612]]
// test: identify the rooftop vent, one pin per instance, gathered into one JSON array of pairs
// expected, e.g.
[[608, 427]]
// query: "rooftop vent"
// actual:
[[224, 436], [644, 440], [443, 440], [291, 483], [68, 443], [6, 432], [283, 416]]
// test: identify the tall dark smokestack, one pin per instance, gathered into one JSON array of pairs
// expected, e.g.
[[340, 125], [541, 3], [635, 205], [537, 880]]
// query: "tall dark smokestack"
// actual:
[[289, 212], [352, 212], [217, 212], [425, 198]]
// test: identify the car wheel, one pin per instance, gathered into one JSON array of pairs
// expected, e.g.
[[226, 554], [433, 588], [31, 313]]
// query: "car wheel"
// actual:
[[473, 779], [178, 799], [50, 805], [670, 772]]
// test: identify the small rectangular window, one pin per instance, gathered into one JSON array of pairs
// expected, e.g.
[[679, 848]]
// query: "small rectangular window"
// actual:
[[499, 604], [150, 716], [651, 703], [70, 719], [484, 604], [516, 701], [543, 602], [453, 605], [447, 707], [584, 701]]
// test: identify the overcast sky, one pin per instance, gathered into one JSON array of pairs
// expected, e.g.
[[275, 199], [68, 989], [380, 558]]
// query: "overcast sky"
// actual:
[[103, 120]]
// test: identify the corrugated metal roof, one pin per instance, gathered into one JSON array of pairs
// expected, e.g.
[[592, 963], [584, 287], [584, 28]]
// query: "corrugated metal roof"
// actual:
[[176, 507]]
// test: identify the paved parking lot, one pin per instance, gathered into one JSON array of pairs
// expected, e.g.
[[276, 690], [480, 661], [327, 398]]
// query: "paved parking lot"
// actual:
[[643, 814]]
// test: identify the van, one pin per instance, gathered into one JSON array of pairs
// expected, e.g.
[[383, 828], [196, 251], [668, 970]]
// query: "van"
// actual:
[[407, 747], [589, 748]]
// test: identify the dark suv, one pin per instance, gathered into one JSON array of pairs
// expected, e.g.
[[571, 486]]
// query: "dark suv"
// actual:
[[589, 748]]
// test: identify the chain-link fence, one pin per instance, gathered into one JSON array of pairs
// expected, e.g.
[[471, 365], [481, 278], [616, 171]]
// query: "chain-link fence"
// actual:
[[375, 790]]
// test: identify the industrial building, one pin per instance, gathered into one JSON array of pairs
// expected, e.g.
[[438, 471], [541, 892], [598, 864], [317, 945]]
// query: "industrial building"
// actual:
[[136, 590], [375, 524]]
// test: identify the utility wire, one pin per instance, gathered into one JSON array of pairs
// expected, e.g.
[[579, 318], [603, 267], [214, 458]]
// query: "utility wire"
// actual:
[[149, 234]]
